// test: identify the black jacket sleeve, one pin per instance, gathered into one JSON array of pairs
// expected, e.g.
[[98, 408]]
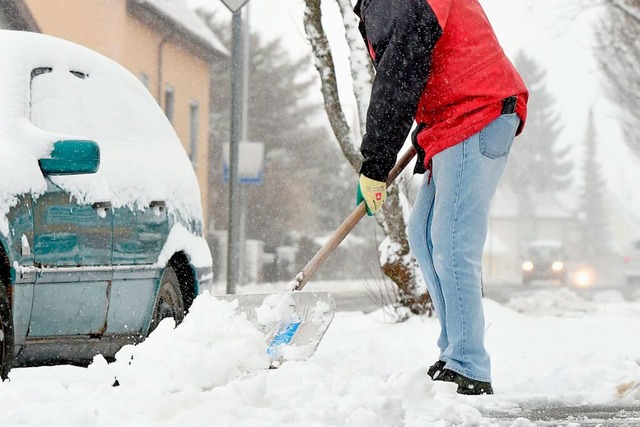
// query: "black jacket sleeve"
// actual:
[[401, 35]]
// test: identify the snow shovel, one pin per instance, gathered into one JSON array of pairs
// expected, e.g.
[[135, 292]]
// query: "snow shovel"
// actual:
[[293, 322]]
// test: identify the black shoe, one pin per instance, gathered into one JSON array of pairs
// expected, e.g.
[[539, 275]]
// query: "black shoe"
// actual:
[[436, 369], [465, 385]]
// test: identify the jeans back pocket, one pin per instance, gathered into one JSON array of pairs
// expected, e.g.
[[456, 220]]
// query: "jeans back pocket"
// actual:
[[496, 138]]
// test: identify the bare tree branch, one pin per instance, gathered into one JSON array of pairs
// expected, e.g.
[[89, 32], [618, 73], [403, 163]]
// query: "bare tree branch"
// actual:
[[618, 54], [326, 69], [630, 11]]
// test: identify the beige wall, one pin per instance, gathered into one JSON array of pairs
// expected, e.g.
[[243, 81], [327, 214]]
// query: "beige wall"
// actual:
[[97, 24], [106, 27]]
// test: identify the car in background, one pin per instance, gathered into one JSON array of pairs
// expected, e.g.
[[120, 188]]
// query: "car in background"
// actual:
[[632, 263], [544, 260], [100, 216]]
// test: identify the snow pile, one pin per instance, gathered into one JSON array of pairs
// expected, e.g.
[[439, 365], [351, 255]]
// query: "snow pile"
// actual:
[[563, 301], [210, 348]]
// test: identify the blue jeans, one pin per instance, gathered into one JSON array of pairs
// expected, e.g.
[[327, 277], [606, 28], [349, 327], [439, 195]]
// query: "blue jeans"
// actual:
[[447, 230]]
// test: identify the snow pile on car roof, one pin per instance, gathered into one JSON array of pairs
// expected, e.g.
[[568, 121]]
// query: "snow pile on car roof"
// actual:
[[76, 93]]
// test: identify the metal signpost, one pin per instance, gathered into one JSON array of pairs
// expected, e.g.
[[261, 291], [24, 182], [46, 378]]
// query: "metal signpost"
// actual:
[[237, 80], [234, 5]]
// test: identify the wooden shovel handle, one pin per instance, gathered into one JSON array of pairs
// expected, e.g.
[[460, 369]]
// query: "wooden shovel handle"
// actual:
[[345, 228]]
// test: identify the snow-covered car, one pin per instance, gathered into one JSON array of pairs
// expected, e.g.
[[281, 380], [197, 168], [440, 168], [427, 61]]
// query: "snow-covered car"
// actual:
[[632, 263], [100, 213]]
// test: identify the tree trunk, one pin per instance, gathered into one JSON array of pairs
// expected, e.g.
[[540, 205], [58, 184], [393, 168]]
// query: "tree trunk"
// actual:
[[398, 264], [326, 69], [396, 261]]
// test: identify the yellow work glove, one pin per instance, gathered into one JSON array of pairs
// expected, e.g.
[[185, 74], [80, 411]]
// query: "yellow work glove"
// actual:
[[373, 192]]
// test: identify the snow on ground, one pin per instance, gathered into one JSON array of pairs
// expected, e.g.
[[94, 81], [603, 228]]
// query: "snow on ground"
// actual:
[[212, 370]]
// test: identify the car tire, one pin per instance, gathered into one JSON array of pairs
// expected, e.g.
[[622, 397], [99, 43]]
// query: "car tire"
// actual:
[[7, 356], [169, 302]]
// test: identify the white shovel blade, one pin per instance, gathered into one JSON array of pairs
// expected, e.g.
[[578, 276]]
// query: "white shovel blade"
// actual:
[[293, 323]]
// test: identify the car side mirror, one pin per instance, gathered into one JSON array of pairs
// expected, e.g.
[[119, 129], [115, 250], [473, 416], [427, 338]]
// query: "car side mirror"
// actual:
[[72, 157]]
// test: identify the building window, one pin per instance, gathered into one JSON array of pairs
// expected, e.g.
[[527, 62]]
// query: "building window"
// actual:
[[169, 103], [144, 78], [194, 111]]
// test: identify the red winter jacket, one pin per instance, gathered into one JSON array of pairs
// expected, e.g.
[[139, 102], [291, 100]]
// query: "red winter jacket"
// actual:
[[438, 62]]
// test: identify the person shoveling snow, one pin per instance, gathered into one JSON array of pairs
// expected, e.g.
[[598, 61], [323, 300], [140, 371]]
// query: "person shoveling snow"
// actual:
[[438, 62]]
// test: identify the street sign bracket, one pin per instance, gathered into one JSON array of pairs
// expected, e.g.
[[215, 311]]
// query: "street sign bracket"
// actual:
[[234, 5]]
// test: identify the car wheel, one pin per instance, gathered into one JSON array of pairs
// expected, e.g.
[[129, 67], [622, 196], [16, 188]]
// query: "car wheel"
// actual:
[[6, 335], [169, 302]]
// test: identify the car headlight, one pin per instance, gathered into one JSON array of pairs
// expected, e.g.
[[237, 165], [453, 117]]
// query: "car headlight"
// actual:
[[557, 266], [527, 266], [584, 278]]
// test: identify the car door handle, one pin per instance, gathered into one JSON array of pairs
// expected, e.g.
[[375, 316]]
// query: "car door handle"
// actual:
[[101, 205], [158, 207], [102, 208]]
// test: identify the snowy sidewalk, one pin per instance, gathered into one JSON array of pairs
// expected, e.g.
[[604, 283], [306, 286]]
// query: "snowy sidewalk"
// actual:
[[557, 349]]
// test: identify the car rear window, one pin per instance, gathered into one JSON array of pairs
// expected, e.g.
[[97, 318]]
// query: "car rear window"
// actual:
[[89, 106]]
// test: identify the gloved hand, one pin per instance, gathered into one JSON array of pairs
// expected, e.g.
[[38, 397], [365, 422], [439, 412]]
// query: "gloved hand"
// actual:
[[374, 194]]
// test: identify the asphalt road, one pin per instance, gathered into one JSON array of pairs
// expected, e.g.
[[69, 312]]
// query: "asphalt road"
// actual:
[[364, 301], [503, 293], [574, 416], [355, 301]]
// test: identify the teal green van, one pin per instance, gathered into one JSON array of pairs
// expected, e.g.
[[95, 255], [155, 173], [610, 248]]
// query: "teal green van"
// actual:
[[100, 218]]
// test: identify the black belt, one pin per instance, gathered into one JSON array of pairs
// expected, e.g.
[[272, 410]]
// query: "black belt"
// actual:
[[509, 105]]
